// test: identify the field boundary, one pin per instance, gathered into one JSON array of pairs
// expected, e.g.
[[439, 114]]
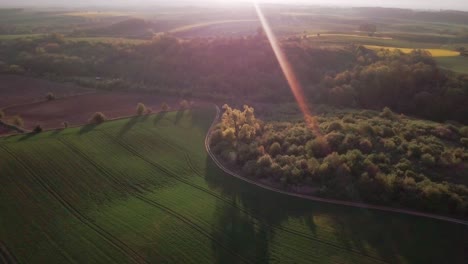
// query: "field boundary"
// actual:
[[12, 127], [315, 198], [45, 100]]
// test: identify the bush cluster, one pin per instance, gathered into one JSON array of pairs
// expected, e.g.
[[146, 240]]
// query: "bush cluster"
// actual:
[[376, 157]]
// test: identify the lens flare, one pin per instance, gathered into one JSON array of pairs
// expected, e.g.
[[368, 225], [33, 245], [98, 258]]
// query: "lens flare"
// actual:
[[288, 72]]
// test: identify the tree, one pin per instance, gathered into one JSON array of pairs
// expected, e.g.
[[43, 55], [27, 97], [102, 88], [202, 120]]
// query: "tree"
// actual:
[[65, 124], [18, 121], [141, 109], [184, 104], [242, 124], [265, 161], [275, 149], [164, 107], [97, 118], [427, 159], [387, 113], [37, 129], [50, 96], [318, 147]]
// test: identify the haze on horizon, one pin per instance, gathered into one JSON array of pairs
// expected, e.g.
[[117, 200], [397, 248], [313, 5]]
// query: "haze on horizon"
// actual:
[[412, 4]]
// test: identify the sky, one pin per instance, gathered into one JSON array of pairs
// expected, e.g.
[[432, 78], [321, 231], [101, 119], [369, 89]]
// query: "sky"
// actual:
[[414, 4]]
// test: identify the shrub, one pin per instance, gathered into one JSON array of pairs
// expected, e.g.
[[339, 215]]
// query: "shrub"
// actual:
[[387, 132], [335, 139], [164, 107], [275, 149], [250, 168], [141, 109], [443, 132], [414, 150], [65, 124], [389, 145], [350, 141], [317, 148], [334, 126], [37, 129], [333, 160], [464, 141], [313, 165], [387, 113], [365, 145], [97, 118], [50, 96], [448, 159], [348, 119], [265, 161], [365, 129], [184, 104], [293, 150], [464, 131], [427, 159], [18, 121]]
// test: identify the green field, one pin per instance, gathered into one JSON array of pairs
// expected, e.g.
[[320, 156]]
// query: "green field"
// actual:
[[111, 40], [144, 190], [13, 37], [457, 64]]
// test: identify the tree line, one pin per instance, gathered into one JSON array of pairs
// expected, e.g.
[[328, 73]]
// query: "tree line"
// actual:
[[246, 69]]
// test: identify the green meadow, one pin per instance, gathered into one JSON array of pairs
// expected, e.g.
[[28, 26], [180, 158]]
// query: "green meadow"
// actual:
[[143, 190]]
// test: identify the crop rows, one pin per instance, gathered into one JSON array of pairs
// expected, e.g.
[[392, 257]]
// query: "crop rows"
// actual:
[[144, 196]]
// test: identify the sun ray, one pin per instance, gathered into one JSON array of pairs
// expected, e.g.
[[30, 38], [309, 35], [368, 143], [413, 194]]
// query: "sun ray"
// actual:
[[288, 72]]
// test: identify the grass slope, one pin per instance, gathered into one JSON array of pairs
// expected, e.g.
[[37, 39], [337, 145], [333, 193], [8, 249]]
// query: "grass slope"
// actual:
[[143, 190], [457, 64]]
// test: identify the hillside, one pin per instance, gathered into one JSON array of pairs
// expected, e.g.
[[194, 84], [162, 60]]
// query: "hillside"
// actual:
[[128, 191]]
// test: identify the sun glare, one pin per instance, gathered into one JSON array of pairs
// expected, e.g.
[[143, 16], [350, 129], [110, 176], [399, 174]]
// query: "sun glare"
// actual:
[[288, 72]]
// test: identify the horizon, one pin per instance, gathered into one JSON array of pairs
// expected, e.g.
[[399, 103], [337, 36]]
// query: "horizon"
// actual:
[[414, 4]]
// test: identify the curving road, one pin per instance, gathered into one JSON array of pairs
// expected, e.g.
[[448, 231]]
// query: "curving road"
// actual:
[[319, 199]]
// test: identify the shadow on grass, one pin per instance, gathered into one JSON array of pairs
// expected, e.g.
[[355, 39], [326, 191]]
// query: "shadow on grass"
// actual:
[[130, 124], [159, 117], [56, 132], [179, 116], [87, 128], [28, 136]]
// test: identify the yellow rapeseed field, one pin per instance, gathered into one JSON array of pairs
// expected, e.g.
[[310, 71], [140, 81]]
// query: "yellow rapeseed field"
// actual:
[[434, 52]]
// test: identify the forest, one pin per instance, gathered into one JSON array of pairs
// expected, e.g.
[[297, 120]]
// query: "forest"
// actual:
[[375, 157], [243, 69]]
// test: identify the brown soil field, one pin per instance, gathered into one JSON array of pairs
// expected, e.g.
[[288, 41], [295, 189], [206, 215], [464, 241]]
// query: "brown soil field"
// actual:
[[16, 89], [77, 110]]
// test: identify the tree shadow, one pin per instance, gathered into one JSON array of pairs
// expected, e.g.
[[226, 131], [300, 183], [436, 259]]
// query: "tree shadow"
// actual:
[[28, 136], [159, 117], [235, 231], [129, 125], [364, 233], [179, 116], [56, 132], [87, 128], [145, 118]]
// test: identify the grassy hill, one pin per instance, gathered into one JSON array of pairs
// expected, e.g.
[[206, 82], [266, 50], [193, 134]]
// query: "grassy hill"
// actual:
[[143, 190]]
